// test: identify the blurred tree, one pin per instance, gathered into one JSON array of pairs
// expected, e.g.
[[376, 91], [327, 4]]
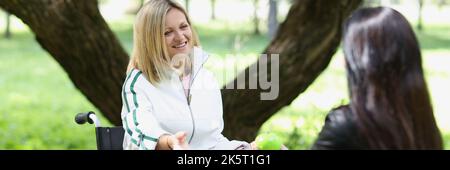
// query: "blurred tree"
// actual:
[[8, 26], [255, 17], [305, 42], [420, 19], [77, 36], [213, 9], [273, 20], [442, 3]]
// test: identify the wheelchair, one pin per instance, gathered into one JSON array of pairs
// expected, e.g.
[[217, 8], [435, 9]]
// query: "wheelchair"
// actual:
[[108, 138]]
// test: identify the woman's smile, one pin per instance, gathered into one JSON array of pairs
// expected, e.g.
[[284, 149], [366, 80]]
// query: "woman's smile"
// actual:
[[180, 46]]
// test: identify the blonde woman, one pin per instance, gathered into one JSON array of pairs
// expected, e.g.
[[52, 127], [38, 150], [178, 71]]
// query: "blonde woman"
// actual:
[[170, 101]]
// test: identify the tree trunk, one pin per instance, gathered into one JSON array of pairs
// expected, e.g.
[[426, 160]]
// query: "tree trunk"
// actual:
[[273, 21], [77, 36], [305, 42], [213, 9], [255, 17], [420, 19], [8, 26]]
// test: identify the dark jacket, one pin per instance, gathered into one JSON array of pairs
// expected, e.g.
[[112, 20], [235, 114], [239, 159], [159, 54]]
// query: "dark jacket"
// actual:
[[340, 132]]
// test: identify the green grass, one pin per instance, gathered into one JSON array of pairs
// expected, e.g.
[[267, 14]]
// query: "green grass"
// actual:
[[38, 101]]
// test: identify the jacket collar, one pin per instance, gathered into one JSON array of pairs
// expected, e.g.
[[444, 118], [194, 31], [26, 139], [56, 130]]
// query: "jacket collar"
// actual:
[[199, 58]]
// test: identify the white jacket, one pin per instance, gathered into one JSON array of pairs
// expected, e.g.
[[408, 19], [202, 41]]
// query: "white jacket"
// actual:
[[149, 111]]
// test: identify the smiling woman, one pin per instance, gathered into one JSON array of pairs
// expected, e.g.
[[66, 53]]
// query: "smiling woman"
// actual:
[[166, 104], [178, 33]]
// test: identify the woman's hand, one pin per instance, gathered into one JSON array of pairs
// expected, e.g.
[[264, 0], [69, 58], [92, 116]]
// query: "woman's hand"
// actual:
[[178, 141], [253, 145], [172, 142]]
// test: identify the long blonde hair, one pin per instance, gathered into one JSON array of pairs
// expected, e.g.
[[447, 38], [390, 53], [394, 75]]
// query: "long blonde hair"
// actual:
[[149, 53]]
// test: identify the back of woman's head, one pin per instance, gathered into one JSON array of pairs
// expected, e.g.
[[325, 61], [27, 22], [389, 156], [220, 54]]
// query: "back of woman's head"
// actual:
[[149, 53], [389, 96]]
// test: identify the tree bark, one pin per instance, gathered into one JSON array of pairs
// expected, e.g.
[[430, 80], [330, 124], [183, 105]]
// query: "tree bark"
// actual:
[[77, 36], [305, 42]]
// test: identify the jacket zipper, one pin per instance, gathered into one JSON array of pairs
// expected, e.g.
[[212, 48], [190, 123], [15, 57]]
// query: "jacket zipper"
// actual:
[[188, 102], [189, 97], [192, 116]]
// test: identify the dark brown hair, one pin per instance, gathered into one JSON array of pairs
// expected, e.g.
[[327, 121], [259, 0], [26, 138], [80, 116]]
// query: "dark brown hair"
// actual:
[[388, 92]]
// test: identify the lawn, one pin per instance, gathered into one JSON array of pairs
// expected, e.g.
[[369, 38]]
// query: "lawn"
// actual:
[[38, 100]]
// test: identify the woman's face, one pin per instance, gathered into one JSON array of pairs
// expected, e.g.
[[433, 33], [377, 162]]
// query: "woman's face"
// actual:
[[177, 33]]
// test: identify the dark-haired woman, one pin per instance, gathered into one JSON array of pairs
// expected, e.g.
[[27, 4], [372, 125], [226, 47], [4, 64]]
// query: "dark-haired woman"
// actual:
[[389, 107]]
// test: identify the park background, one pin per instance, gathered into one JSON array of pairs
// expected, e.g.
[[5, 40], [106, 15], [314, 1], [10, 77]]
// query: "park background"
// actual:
[[38, 101]]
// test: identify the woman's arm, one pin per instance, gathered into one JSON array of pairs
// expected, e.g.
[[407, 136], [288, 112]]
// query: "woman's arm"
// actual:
[[142, 128]]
